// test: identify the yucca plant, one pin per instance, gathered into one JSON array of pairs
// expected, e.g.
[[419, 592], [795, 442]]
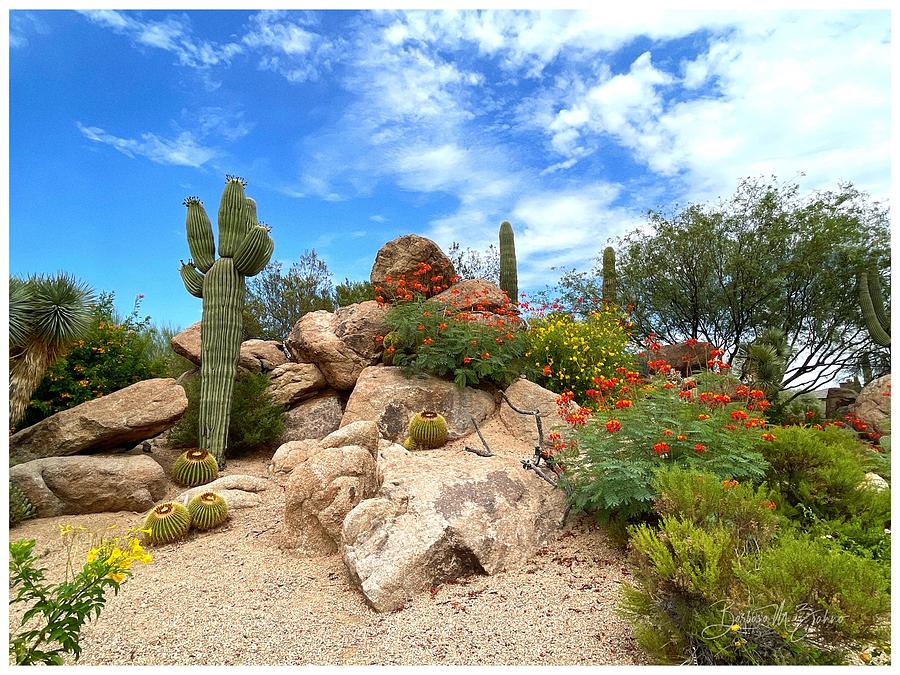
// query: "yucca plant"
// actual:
[[47, 315]]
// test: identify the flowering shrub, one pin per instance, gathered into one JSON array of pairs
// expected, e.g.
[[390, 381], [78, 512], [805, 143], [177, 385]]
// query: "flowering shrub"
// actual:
[[569, 354], [112, 355], [642, 425], [421, 283], [65, 607], [466, 346]]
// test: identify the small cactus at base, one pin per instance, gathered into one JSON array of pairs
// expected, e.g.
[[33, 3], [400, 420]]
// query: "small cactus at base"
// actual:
[[409, 443], [207, 510], [167, 522], [428, 429], [195, 467], [20, 507]]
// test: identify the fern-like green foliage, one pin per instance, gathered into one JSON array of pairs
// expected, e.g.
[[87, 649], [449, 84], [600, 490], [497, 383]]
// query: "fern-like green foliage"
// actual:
[[613, 473]]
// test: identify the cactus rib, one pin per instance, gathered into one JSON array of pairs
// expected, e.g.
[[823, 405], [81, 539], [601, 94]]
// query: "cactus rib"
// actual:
[[207, 510], [167, 522], [195, 467], [428, 429], [200, 234], [192, 278]]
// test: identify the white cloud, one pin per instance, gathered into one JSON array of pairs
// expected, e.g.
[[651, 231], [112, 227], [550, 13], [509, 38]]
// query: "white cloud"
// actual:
[[183, 150], [21, 25], [289, 47], [173, 34], [378, 218]]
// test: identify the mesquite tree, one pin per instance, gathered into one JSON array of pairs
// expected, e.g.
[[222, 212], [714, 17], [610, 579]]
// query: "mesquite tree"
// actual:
[[244, 249]]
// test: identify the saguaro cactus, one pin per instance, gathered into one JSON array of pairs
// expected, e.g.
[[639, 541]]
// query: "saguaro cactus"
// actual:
[[244, 249], [872, 302], [609, 276], [509, 278]]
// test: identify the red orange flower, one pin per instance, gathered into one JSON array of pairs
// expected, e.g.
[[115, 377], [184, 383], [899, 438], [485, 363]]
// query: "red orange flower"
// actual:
[[613, 425]]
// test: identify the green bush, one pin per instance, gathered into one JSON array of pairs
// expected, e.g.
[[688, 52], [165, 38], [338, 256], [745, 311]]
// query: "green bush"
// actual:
[[821, 470], [114, 354], [256, 422], [824, 594], [747, 512], [434, 338], [569, 354], [615, 453]]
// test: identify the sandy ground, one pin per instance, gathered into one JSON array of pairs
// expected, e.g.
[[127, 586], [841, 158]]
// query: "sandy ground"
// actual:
[[232, 597]]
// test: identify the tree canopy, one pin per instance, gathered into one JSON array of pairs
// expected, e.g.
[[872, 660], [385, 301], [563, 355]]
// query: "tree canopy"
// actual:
[[767, 257]]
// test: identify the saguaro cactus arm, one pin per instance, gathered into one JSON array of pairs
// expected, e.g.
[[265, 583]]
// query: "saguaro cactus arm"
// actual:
[[234, 216], [200, 234], [873, 309], [193, 280], [509, 277], [254, 252], [609, 275]]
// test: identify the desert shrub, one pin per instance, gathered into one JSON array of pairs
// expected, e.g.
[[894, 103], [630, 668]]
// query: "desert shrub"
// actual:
[[350, 292], [432, 337], [113, 354], [832, 598], [569, 354], [820, 469], [746, 511], [614, 453], [256, 422], [680, 582], [160, 350]]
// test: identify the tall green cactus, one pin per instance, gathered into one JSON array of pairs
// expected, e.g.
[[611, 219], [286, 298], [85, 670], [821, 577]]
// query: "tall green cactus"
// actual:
[[609, 276], [872, 302], [509, 277], [244, 249]]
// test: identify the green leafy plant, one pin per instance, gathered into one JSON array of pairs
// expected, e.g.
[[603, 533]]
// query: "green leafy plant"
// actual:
[[195, 467], [613, 454], [822, 470], [351, 292], [167, 522], [565, 353], [113, 353], [464, 346], [428, 429], [207, 510], [746, 511], [255, 421], [244, 249], [58, 611]]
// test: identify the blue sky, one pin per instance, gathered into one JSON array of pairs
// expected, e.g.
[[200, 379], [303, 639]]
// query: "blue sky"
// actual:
[[353, 128]]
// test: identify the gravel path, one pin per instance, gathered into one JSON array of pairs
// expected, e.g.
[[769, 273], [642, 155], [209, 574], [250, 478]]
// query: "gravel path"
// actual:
[[232, 597]]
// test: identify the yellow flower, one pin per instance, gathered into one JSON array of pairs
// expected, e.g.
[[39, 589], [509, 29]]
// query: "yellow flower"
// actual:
[[65, 529], [92, 554], [735, 627], [118, 577]]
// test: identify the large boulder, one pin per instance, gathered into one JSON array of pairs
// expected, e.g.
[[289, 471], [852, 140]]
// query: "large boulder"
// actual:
[[238, 490], [320, 493], [313, 418], [440, 516], [257, 356], [475, 294], [291, 383], [292, 453], [683, 357], [340, 344], [90, 483], [526, 395], [119, 419], [385, 396], [400, 259], [873, 405]]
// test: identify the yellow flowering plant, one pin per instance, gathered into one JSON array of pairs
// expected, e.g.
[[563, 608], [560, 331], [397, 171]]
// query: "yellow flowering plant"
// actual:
[[63, 608], [565, 353]]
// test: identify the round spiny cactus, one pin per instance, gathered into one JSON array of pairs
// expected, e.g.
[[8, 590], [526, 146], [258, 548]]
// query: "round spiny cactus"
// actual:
[[428, 429], [167, 522], [195, 467], [20, 507], [409, 443], [207, 510]]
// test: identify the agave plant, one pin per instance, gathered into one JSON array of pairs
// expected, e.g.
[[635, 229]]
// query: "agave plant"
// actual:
[[764, 361], [46, 315]]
